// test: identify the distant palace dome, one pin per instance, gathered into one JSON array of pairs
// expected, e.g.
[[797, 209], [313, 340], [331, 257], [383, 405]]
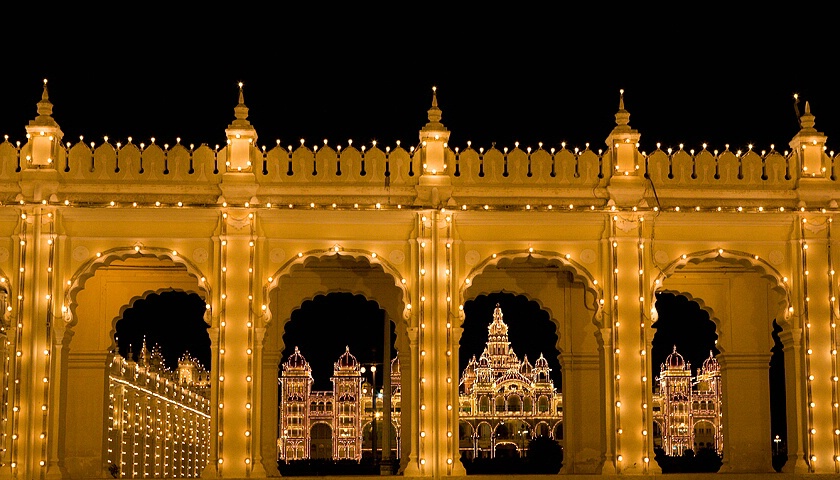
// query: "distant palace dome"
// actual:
[[347, 361], [526, 368], [711, 365], [674, 361], [497, 327], [541, 362], [296, 362]]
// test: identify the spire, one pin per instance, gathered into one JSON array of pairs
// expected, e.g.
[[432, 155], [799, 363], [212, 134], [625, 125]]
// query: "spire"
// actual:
[[434, 113], [45, 108], [144, 353], [623, 140], [622, 117], [809, 145], [806, 121], [242, 141], [241, 111]]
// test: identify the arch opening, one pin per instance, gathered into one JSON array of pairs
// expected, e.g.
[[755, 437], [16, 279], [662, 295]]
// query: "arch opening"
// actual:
[[104, 388], [687, 391], [331, 373], [510, 366]]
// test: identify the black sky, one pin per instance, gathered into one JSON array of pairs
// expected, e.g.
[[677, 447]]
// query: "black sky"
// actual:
[[361, 73]]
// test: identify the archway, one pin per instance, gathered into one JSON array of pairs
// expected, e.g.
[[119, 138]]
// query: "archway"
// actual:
[[320, 446], [687, 387], [742, 296], [571, 298], [319, 274], [97, 297]]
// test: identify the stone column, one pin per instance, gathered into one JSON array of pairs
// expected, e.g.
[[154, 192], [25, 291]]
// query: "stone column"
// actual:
[[746, 412], [582, 420], [628, 347], [819, 340], [236, 393], [794, 399], [410, 407]]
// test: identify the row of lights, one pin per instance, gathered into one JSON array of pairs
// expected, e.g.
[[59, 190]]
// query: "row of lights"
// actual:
[[464, 207], [457, 150], [181, 443]]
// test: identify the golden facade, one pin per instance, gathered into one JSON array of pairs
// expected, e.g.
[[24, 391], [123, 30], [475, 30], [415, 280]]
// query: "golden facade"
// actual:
[[158, 419], [255, 229], [336, 424], [505, 402], [687, 409]]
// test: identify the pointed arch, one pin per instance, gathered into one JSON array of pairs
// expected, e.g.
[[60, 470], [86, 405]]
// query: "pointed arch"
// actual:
[[103, 259], [536, 258], [306, 259], [725, 256]]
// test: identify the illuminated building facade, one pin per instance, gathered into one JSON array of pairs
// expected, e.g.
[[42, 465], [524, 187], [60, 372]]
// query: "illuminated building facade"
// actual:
[[255, 229], [334, 424], [687, 409], [158, 419], [505, 402]]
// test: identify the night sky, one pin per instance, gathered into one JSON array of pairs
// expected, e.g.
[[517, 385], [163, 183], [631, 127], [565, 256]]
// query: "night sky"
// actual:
[[516, 75]]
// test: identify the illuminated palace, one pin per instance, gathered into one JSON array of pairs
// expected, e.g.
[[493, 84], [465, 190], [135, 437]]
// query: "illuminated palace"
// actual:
[[256, 228], [335, 424], [687, 409], [158, 418], [505, 402]]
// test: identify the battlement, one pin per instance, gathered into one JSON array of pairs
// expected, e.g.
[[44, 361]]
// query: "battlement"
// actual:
[[430, 174]]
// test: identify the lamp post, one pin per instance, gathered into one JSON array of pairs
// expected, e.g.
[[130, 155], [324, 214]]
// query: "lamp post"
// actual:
[[373, 408], [777, 440]]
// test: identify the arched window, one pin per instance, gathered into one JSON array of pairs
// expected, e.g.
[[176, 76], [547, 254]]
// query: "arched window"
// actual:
[[542, 404], [514, 404], [500, 403]]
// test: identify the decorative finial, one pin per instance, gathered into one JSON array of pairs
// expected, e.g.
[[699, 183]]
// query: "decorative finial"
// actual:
[[675, 349], [806, 121], [622, 117], [434, 112], [45, 108], [241, 111]]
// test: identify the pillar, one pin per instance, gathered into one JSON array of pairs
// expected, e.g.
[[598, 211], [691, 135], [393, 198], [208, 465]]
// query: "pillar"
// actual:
[[746, 412], [236, 398], [627, 299], [582, 425]]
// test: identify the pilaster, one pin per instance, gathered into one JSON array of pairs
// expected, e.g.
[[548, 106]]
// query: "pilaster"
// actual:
[[236, 339], [816, 287], [633, 453]]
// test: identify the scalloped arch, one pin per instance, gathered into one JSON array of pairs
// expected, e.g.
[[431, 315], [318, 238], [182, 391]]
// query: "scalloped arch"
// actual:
[[143, 296], [89, 268], [301, 259], [732, 257], [579, 274]]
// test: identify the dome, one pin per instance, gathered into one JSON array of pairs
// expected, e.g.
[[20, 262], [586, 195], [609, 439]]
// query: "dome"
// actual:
[[512, 375], [541, 362], [346, 361], [296, 361], [525, 368], [711, 365], [675, 361], [497, 327]]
